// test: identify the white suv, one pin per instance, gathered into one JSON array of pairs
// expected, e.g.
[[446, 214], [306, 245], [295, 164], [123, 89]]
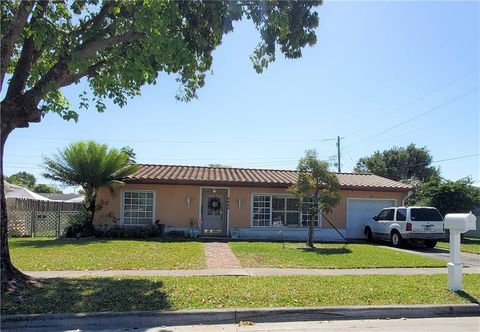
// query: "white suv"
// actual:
[[396, 224]]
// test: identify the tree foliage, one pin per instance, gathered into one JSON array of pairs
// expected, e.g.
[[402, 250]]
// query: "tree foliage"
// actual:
[[29, 181], [317, 189], [91, 166], [447, 196], [399, 164], [23, 179], [119, 46], [45, 188]]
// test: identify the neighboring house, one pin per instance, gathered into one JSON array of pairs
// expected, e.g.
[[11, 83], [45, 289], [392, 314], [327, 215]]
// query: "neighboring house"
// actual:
[[239, 202], [74, 198], [13, 191]]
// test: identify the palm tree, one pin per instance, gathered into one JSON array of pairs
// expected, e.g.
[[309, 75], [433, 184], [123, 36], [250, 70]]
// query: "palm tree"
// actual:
[[90, 165]]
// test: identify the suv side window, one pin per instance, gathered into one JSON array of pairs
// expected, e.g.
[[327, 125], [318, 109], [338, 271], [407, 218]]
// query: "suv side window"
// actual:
[[401, 214], [382, 215], [390, 215]]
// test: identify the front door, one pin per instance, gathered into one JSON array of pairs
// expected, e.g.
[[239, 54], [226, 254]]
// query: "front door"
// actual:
[[214, 212]]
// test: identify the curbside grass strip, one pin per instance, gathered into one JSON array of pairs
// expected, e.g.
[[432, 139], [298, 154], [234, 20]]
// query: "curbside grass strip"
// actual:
[[145, 319]]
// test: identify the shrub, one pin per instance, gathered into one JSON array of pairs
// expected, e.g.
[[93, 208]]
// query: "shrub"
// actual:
[[126, 232], [79, 227]]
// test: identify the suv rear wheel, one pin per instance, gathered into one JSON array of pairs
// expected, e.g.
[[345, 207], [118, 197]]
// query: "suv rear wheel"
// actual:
[[430, 243], [396, 239]]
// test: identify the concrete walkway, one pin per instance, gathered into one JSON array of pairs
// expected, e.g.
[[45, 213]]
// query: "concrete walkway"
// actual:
[[218, 255], [254, 272]]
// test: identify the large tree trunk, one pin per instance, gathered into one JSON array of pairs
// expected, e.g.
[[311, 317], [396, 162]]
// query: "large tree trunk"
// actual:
[[311, 230], [11, 278]]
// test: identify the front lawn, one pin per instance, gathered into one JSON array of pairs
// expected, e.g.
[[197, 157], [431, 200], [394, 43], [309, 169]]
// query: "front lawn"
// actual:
[[469, 244], [327, 256], [173, 293], [48, 254]]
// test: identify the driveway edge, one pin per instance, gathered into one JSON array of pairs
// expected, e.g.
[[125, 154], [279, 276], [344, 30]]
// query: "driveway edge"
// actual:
[[145, 319]]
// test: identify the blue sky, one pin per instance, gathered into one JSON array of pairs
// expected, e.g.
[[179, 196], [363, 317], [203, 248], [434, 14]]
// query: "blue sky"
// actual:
[[382, 74]]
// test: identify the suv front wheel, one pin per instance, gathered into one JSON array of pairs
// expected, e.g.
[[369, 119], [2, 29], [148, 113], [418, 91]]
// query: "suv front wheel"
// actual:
[[396, 239]]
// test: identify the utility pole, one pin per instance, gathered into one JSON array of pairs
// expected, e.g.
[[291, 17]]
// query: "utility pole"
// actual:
[[339, 167], [338, 155]]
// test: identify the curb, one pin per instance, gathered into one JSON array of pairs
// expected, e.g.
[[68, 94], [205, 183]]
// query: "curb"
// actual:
[[146, 319]]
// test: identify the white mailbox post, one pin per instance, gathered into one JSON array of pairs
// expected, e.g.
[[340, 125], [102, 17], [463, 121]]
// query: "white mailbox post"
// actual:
[[457, 223]]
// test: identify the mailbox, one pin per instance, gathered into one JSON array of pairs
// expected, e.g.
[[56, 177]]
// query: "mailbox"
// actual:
[[461, 222], [457, 223]]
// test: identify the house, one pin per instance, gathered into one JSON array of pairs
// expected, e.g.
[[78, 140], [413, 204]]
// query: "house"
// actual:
[[13, 191], [71, 197], [241, 202]]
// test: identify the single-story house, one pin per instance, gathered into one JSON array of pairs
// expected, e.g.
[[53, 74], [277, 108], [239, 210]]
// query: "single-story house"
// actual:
[[13, 191], [240, 202], [69, 198]]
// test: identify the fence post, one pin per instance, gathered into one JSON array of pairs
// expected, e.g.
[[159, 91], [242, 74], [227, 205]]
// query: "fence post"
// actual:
[[32, 222], [58, 221]]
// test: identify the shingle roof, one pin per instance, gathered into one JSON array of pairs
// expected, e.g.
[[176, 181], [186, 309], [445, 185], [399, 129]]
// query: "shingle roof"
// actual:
[[246, 177]]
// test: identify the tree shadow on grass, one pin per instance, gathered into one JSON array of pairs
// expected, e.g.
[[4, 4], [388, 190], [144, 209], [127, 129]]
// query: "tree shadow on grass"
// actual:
[[326, 250], [61, 295]]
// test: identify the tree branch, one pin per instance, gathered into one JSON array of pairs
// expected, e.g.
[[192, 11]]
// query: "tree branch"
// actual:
[[12, 34], [97, 20], [27, 57], [59, 73], [19, 113], [99, 45], [73, 78]]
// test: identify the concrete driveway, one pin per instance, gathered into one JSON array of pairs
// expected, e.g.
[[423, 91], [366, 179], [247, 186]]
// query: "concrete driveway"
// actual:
[[468, 259]]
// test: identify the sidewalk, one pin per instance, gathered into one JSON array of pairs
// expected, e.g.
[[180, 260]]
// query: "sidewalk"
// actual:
[[254, 272]]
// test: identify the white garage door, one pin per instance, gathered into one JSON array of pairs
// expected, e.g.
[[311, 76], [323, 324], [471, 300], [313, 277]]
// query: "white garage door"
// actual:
[[359, 211]]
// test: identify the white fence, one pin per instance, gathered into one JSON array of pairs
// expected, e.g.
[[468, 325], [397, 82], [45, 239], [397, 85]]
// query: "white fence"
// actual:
[[41, 218]]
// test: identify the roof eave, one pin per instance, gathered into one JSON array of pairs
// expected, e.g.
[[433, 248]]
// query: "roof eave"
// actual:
[[255, 184]]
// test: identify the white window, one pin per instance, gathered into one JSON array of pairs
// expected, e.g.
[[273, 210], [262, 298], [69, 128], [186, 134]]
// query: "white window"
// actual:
[[279, 211], [138, 207], [306, 215], [261, 215]]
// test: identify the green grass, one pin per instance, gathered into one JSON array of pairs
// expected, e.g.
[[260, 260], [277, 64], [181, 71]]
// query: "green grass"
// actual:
[[47, 254], [329, 256], [471, 245], [173, 293]]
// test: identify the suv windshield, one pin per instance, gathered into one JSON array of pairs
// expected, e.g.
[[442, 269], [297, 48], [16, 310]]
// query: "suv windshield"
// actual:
[[426, 215]]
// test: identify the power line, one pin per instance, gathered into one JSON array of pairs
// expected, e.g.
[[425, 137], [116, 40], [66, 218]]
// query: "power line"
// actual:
[[437, 161], [420, 115], [411, 131], [414, 101], [419, 164], [173, 141]]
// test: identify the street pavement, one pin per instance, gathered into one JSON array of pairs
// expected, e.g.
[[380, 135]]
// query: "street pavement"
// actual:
[[463, 324]]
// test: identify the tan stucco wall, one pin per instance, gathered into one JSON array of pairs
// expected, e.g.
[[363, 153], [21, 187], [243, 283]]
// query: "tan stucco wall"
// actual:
[[171, 205]]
